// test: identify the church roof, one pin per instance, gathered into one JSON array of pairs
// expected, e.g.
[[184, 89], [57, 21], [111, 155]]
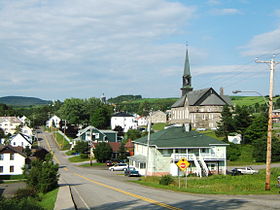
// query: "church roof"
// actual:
[[187, 71], [202, 97]]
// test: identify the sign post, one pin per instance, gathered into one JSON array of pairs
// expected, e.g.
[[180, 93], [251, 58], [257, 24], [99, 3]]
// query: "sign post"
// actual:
[[183, 164]]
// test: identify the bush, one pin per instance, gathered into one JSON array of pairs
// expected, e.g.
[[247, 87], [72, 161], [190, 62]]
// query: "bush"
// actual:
[[166, 180], [23, 204], [26, 192]]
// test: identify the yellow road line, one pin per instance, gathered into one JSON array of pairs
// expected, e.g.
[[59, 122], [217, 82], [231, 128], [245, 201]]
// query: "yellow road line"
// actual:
[[130, 194]]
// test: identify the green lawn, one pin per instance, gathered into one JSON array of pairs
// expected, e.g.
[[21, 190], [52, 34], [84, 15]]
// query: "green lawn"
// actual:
[[77, 159], [249, 100], [220, 184], [211, 134], [48, 199], [158, 126]]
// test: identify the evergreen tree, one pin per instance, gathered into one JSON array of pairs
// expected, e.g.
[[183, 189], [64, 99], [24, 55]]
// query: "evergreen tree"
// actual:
[[226, 125], [242, 120], [122, 152]]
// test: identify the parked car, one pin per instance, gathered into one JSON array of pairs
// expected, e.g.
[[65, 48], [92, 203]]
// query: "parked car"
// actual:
[[245, 170], [109, 163], [119, 167], [131, 171]]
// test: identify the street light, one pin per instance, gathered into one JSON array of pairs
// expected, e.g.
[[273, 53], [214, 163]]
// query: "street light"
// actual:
[[251, 91]]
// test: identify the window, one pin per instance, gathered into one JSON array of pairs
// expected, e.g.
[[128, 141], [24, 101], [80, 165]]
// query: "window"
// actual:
[[142, 165], [1, 169], [12, 156], [12, 169], [1, 156]]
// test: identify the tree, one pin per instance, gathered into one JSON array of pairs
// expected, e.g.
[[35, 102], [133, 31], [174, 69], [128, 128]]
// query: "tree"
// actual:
[[119, 129], [81, 147], [242, 120], [122, 152], [260, 149], [133, 134], [102, 152], [43, 175], [2, 133], [226, 125], [257, 129], [101, 116]]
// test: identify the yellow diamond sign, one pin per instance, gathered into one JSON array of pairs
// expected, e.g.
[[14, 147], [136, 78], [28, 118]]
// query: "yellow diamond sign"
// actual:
[[183, 164]]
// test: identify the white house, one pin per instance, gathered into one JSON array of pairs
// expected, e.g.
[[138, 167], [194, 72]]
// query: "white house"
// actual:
[[12, 160], [125, 120], [141, 121], [236, 139], [158, 117], [26, 130], [9, 124], [205, 154], [24, 120], [53, 122], [21, 140]]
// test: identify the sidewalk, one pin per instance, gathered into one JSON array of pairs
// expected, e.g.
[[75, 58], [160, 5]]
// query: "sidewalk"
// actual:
[[64, 199]]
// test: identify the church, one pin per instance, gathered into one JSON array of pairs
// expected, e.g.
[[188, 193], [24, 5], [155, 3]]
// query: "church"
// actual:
[[201, 108]]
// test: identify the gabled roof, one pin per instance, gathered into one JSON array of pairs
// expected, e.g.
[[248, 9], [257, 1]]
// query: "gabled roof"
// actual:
[[203, 97], [122, 114], [19, 150], [177, 137], [25, 137]]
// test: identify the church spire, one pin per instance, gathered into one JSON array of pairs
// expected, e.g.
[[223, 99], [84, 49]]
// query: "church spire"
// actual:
[[187, 84]]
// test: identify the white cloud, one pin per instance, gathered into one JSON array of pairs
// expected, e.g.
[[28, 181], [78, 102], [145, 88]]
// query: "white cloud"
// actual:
[[225, 11], [70, 43], [263, 44]]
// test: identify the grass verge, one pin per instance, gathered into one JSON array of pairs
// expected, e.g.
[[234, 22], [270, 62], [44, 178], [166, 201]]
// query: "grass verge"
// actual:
[[77, 159], [220, 184], [48, 199], [93, 164], [62, 142]]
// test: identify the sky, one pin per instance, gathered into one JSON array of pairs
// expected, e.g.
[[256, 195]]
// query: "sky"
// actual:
[[83, 48]]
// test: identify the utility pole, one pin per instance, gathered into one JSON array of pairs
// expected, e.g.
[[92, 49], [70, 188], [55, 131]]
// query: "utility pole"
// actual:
[[272, 63], [148, 145]]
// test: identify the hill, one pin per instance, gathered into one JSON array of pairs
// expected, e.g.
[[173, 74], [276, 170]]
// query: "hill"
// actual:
[[22, 101]]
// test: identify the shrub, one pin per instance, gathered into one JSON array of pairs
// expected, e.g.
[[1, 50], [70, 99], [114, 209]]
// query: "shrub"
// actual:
[[166, 180], [26, 192]]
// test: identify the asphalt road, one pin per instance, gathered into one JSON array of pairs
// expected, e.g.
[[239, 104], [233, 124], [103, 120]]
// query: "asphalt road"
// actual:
[[101, 189]]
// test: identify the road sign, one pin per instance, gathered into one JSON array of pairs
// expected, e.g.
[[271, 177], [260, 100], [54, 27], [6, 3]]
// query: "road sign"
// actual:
[[183, 164]]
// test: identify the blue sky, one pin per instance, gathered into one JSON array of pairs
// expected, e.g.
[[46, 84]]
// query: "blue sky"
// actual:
[[60, 49]]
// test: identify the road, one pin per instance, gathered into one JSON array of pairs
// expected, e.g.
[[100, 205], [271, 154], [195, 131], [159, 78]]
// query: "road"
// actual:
[[102, 189]]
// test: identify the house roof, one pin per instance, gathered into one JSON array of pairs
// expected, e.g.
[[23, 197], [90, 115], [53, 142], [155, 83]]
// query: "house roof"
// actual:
[[122, 114], [25, 137], [9, 119], [202, 97], [19, 150], [177, 137], [129, 144]]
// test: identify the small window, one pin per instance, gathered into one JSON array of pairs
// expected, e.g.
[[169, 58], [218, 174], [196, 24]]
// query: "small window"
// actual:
[[1, 169], [12, 156], [12, 169], [142, 165], [1, 156]]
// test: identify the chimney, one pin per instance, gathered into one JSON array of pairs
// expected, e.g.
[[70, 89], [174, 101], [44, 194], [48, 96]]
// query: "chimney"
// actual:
[[221, 91]]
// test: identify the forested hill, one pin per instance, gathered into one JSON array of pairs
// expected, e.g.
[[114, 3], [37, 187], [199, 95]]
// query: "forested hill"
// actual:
[[22, 101]]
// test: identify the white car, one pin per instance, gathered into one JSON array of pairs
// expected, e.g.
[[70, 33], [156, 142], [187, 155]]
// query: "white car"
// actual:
[[119, 167]]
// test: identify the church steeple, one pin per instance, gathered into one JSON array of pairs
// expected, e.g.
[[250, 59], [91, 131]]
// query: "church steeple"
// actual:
[[187, 83]]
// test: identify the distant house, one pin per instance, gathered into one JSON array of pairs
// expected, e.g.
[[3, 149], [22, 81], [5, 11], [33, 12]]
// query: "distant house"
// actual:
[[24, 120], [21, 140], [12, 160], [141, 121], [27, 130], [236, 139], [94, 134], [158, 117], [9, 124], [205, 154], [125, 120], [54, 121], [276, 115]]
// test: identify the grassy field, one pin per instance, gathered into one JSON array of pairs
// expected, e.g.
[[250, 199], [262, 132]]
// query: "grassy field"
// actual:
[[158, 126], [249, 100], [220, 184], [48, 199], [211, 134]]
